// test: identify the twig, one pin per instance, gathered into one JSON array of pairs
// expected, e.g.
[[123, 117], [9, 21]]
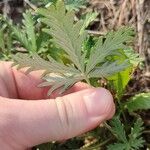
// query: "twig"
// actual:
[[96, 32], [6, 8], [121, 16], [140, 24], [30, 4]]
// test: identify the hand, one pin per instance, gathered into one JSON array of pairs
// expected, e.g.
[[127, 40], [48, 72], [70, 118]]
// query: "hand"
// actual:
[[28, 117]]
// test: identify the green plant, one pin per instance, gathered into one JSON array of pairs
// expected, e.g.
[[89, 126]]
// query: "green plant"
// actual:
[[134, 141], [69, 37], [53, 41]]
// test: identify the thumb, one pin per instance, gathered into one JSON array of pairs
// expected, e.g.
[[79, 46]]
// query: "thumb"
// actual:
[[62, 118]]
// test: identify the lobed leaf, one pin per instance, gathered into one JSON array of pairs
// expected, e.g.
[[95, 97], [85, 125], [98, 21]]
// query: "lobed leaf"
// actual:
[[118, 129], [105, 47], [65, 33], [71, 37], [139, 101], [37, 63], [30, 30], [60, 82], [135, 140], [107, 69]]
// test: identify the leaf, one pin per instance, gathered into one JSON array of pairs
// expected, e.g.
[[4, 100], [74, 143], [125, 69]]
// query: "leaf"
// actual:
[[117, 146], [38, 63], [135, 140], [139, 101], [29, 27], [67, 36], [118, 130], [107, 69], [20, 36], [75, 4], [136, 131], [91, 16], [113, 41], [133, 57], [120, 80], [58, 82], [65, 33], [25, 36], [2, 43]]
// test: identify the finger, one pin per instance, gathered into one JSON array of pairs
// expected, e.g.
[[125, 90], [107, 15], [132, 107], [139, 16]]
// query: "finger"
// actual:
[[24, 86], [36, 122]]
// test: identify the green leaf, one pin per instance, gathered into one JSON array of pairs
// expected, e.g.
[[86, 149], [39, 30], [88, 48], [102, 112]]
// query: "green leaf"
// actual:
[[25, 34], [2, 45], [60, 82], [65, 33], [120, 80], [107, 69], [55, 80], [138, 102], [117, 146], [91, 16], [118, 130], [75, 4], [30, 30], [105, 47], [20, 36], [37, 63], [135, 140], [133, 57]]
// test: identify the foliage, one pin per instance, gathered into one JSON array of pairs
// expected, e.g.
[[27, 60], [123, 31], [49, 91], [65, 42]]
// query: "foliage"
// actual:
[[55, 42], [138, 102], [120, 80], [68, 36], [134, 141], [5, 42], [26, 37]]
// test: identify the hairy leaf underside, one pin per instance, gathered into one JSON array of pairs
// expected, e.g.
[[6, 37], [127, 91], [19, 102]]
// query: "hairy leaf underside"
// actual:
[[71, 37]]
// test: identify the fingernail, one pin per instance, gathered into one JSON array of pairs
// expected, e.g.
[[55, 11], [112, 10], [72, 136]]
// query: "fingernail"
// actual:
[[99, 103]]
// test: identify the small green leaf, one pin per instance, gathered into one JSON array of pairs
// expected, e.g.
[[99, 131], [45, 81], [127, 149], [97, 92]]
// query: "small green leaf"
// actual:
[[118, 130], [117, 146], [88, 19], [138, 102], [104, 47], [120, 80], [75, 4], [65, 33], [30, 30], [135, 140]]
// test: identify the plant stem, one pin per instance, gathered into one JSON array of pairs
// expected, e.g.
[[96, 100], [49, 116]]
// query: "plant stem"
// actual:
[[87, 80], [30, 4], [109, 128]]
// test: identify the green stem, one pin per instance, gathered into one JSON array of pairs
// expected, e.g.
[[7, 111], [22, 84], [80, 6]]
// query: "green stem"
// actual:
[[122, 109], [87, 80], [109, 128]]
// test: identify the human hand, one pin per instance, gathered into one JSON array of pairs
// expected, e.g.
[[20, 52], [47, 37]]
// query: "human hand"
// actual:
[[28, 117]]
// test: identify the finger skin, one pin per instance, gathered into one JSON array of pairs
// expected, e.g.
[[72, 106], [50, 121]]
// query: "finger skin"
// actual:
[[27, 123]]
